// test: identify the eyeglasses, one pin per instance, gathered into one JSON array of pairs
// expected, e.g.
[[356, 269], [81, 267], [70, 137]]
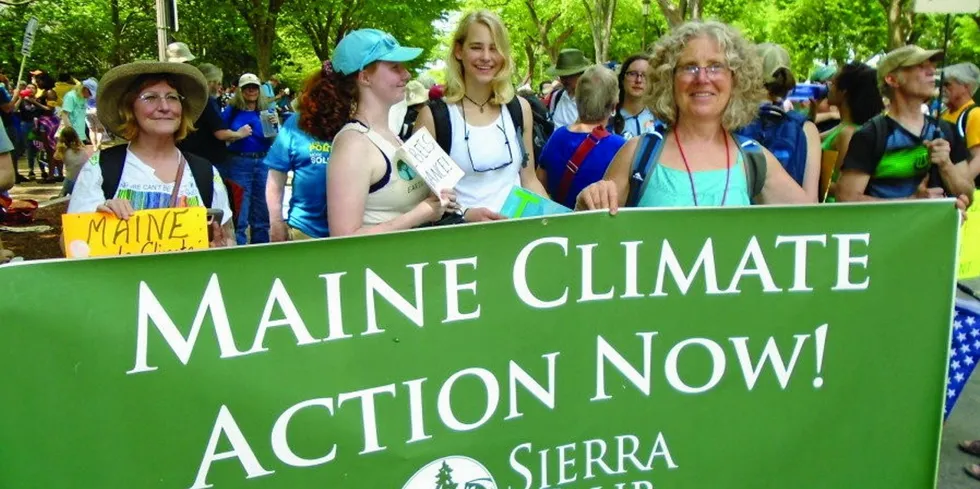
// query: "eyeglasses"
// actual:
[[466, 139], [154, 99], [636, 75], [713, 71]]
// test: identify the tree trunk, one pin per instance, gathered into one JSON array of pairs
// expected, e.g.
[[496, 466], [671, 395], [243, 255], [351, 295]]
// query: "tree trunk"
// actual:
[[115, 54], [900, 16], [681, 11], [529, 51], [600, 15], [261, 17], [265, 36]]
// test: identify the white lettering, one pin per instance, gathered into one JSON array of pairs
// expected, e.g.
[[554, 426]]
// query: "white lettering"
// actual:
[[605, 351], [799, 259], [445, 394], [717, 369], [369, 414], [753, 252], [770, 354], [520, 376], [520, 274], [631, 287], [453, 287], [563, 462], [240, 449], [377, 284], [668, 260], [280, 445], [291, 318], [588, 292], [335, 316], [416, 417], [845, 260], [660, 449]]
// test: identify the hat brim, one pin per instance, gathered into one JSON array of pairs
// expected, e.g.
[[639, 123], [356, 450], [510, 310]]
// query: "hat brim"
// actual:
[[575, 70], [401, 54], [191, 85], [925, 55]]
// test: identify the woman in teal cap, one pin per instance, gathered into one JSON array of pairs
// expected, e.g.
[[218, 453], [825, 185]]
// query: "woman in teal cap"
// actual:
[[366, 192]]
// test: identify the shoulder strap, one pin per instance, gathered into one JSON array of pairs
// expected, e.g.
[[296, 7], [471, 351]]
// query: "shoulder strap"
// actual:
[[962, 120], [575, 162], [442, 123], [203, 173], [645, 158], [880, 125], [517, 117], [554, 100], [754, 160], [111, 161]]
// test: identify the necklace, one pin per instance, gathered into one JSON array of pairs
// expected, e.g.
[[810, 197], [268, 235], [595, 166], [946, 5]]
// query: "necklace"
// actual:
[[728, 169], [481, 106]]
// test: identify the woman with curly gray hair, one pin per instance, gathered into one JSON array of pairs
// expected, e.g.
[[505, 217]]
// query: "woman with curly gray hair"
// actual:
[[706, 81]]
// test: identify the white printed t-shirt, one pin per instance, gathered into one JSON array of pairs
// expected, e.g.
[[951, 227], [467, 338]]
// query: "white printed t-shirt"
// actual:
[[141, 187]]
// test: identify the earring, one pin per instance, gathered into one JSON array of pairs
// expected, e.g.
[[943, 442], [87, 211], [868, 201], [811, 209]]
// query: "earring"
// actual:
[[353, 109]]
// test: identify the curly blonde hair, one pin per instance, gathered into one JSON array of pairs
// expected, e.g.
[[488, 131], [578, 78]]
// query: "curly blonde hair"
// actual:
[[503, 88], [746, 69]]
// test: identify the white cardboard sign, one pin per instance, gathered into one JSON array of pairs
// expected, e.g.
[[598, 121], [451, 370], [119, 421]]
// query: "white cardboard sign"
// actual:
[[427, 158], [947, 6]]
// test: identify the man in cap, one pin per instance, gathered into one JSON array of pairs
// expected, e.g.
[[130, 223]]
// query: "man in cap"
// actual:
[[905, 154], [960, 82], [570, 66]]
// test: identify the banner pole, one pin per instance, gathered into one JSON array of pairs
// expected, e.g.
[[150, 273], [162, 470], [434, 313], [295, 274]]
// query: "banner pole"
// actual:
[[942, 68], [20, 76]]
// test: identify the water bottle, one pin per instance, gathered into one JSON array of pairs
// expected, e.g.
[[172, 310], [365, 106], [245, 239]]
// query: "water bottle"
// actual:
[[270, 122]]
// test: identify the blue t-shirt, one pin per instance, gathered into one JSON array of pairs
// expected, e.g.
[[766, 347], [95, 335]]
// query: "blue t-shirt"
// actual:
[[299, 152], [636, 125], [255, 143], [559, 149]]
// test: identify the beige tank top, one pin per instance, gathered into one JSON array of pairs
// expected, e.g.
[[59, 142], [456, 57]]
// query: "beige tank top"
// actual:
[[398, 191]]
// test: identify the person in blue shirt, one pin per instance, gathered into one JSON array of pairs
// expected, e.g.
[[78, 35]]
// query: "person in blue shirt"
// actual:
[[633, 118], [303, 148], [248, 149], [596, 96]]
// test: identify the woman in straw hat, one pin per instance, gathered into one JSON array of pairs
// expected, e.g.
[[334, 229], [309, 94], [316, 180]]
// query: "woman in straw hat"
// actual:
[[152, 105]]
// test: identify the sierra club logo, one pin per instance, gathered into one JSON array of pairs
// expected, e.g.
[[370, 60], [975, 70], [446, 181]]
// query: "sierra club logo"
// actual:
[[452, 472]]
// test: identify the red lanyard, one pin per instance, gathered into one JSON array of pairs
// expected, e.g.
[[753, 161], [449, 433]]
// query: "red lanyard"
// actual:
[[728, 169]]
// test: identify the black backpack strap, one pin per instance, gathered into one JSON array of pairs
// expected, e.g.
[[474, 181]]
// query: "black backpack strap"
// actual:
[[111, 161], [961, 121], [880, 125], [203, 173], [553, 105], [444, 128], [517, 116], [644, 158]]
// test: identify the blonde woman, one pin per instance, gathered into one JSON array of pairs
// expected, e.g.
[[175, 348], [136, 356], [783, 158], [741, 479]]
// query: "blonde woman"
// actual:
[[488, 130], [247, 150], [705, 81]]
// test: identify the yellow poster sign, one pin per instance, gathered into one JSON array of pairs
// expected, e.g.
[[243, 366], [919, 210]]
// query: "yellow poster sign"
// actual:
[[147, 231], [970, 242]]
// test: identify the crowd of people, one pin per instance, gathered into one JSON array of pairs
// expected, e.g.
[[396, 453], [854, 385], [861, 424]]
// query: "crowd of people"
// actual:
[[704, 118]]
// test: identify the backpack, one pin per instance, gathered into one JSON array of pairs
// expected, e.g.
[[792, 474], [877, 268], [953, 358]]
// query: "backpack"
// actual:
[[444, 129], [542, 126], [112, 160], [648, 153], [553, 102], [961, 121], [782, 134]]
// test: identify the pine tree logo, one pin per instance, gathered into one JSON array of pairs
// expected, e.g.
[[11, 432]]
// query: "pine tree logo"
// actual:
[[453, 472]]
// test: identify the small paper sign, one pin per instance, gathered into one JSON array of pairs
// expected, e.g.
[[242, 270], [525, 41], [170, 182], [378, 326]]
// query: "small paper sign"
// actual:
[[969, 263], [427, 158], [524, 203], [147, 231], [947, 6]]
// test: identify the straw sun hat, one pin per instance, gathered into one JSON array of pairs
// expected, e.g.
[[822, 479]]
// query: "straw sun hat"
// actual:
[[190, 84]]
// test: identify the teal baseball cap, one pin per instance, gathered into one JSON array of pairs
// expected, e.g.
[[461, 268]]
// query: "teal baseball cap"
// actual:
[[365, 46]]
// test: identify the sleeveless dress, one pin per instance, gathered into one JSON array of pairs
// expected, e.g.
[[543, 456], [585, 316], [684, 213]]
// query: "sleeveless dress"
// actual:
[[398, 191], [670, 187]]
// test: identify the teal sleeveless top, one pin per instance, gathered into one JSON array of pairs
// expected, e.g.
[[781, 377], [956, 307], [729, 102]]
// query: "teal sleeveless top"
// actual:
[[672, 188]]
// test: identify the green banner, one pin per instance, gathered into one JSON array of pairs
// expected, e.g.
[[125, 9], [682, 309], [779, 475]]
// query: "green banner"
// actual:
[[688, 349]]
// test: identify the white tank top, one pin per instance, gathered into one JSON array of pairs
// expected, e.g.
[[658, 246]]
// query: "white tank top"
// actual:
[[398, 191], [489, 178]]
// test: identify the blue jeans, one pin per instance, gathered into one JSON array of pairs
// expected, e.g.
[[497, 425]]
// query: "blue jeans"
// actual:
[[251, 174]]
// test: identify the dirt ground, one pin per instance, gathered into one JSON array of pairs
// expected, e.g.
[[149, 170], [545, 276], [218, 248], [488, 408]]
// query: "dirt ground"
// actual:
[[37, 245]]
